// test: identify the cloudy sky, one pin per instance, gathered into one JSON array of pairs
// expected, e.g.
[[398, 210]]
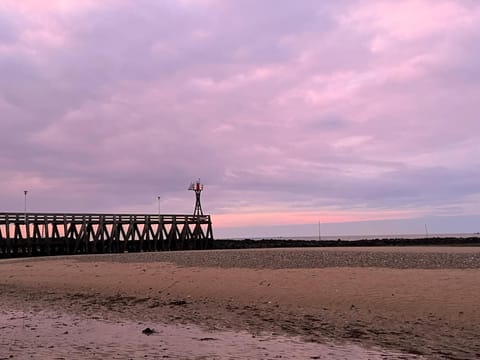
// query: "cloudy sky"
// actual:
[[358, 114]]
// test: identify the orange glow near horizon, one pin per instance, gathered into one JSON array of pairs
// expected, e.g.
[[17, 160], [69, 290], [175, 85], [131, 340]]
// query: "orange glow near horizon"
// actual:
[[297, 218]]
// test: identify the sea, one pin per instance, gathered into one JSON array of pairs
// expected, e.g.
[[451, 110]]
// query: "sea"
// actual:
[[363, 237]]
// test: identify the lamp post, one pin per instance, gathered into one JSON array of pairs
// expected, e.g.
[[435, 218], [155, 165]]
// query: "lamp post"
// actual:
[[25, 192], [159, 228]]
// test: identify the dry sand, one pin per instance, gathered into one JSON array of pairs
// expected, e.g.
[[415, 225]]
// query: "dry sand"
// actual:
[[417, 300]]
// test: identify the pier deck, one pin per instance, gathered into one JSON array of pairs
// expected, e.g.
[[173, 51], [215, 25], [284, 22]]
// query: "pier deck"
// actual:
[[33, 234]]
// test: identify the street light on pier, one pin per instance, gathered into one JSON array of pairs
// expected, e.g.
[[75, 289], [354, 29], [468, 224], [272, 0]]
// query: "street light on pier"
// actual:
[[25, 192], [159, 228]]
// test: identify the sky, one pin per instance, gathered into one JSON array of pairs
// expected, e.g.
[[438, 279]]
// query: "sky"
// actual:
[[361, 115]]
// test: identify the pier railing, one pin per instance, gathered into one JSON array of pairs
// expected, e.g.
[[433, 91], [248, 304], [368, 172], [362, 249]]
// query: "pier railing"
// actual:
[[30, 234]]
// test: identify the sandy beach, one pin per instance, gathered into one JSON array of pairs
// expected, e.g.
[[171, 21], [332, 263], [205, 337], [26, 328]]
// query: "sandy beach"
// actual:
[[417, 300]]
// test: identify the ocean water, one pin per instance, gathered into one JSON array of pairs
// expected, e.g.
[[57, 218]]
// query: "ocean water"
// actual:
[[365, 237]]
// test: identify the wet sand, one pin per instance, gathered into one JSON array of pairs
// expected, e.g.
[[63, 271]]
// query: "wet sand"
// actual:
[[420, 301], [47, 335]]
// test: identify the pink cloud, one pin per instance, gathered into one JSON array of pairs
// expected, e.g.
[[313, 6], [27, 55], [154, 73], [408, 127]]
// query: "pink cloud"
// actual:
[[41, 7], [331, 216], [393, 22], [315, 108]]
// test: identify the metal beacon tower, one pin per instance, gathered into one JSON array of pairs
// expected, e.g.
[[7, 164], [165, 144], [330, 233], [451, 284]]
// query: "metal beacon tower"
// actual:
[[41, 234], [198, 188], [202, 238]]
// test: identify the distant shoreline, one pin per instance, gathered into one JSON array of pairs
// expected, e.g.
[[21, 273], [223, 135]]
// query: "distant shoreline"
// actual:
[[288, 243]]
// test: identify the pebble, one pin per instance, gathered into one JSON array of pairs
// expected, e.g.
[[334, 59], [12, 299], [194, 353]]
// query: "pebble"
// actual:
[[303, 258]]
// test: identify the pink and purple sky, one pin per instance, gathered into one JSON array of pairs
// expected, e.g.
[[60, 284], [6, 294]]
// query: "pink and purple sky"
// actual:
[[363, 115]]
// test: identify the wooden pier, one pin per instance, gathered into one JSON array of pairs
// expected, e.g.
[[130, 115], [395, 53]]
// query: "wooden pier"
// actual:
[[34, 234]]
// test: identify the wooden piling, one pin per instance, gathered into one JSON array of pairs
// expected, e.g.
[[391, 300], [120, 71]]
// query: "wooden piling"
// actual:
[[56, 234]]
